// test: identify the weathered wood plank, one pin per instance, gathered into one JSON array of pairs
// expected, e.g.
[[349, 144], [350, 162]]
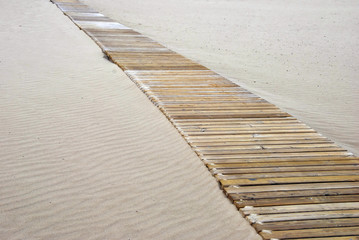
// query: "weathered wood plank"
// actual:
[[299, 208], [287, 174], [330, 238], [303, 169], [296, 200], [265, 181], [297, 216], [308, 224], [315, 232], [293, 193], [290, 187]]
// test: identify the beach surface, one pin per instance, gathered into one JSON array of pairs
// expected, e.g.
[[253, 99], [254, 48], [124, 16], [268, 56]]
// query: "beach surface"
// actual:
[[84, 153], [300, 55]]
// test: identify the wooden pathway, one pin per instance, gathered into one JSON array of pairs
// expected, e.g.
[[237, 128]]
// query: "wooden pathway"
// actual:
[[288, 180]]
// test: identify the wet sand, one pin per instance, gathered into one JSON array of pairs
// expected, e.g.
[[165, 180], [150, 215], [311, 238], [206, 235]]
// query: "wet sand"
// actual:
[[84, 154], [300, 55]]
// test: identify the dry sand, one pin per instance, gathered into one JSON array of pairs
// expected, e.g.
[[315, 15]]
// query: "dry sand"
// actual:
[[84, 154], [300, 55]]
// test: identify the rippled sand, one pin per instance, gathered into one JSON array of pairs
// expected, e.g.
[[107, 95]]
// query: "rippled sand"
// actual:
[[84, 154], [300, 55]]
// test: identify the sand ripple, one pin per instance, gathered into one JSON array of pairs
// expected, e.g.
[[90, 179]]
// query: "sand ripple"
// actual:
[[84, 154]]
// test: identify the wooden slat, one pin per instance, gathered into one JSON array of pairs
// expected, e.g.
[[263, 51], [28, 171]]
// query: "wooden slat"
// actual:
[[315, 232], [294, 193], [300, 208], [296, 200], [261, 162], [264, 181], [307, 224], [330, 238], [290, 187], [287, 174], [294, 216], [210, 154], [303, 169], [268, 146], [290, 181]]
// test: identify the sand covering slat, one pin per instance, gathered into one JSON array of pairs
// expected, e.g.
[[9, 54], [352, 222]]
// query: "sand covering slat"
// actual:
[[287, 179]]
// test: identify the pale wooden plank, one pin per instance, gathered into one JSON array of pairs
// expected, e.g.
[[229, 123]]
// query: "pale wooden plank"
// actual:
[[295, 216], [296, 200], [307, 224], [287, 174], [264, 181], [300, 208], [228, 171], [316, 232], [290, 187], [299, 193], [330, 238]]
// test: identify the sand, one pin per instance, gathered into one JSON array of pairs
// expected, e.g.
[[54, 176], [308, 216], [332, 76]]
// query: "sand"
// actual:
[[300, 55], [84, 154]]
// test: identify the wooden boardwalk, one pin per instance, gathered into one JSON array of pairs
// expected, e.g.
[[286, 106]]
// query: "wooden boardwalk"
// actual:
[[288, 180]]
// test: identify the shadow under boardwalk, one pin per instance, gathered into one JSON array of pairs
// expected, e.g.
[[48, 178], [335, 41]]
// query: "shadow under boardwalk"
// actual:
[[288, 180]]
